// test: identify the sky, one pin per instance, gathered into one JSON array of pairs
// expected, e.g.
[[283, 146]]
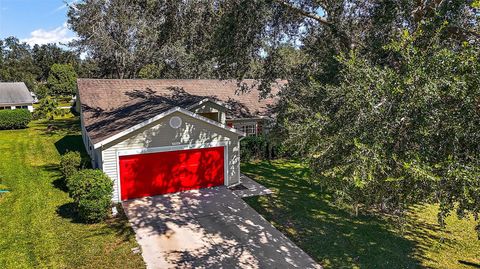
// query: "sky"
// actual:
[[35, 21]]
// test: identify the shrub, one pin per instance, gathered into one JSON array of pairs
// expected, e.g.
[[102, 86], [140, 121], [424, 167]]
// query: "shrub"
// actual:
[[259, 147], [47, 109], [70, 163], [253, 147], [14, 119], [91, 191]]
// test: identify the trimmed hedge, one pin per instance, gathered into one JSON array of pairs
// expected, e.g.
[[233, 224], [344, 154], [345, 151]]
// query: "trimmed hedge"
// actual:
[[14, 119], [91, 190], [70, 163]]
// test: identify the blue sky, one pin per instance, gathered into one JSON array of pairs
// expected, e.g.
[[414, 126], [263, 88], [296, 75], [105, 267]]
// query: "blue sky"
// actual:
[[35, 21]]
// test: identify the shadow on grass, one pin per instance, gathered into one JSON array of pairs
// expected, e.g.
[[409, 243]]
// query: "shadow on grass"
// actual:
[[58, 126], [68, 211], [471, 264], [119, 225], [58, 181], [73, 143], [330, 235], [71, 138], [70, 143]]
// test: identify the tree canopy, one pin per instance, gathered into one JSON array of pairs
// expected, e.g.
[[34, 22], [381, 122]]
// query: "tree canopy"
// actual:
[[62, 80], [383, 95], [20, 62]]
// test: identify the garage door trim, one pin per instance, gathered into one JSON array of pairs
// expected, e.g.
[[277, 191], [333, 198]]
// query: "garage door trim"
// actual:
[[136, 151]]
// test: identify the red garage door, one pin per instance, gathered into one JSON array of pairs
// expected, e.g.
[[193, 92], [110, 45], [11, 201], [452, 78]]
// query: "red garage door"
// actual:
[[166, 172]]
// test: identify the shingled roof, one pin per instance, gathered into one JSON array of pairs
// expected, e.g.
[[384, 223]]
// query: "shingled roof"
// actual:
[[13, 93], [110, 106]]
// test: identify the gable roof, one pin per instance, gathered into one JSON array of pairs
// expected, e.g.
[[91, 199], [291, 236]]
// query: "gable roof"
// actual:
[[111, 106], [12, 93], [160, 116]]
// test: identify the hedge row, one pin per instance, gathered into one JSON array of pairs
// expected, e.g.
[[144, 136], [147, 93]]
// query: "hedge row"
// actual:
[[14, 119]]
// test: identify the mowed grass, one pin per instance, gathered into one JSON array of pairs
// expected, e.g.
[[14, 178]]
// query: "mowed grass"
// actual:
[[38, 228], [337, 239]]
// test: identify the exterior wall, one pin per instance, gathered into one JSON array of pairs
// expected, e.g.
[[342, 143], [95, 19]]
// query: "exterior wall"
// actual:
[[193, 133], [28, 106], [95, 154], [261, 126]]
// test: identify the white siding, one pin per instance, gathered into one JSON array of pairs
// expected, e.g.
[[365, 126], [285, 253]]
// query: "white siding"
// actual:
[[95, 154], [159, 134]]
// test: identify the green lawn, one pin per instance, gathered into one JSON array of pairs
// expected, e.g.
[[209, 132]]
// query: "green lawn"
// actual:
[[336, 239], [38, 228]]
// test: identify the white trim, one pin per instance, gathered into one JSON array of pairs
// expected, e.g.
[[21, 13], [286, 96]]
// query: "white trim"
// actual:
[[224, 144], [162, 115], [249, 119], [239, 159]]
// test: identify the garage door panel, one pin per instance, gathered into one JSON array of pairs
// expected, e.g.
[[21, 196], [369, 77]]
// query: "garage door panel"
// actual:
[[166, 172]]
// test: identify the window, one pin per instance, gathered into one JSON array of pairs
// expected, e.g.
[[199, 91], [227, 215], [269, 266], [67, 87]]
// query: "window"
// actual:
[[18, 107], [210, 115], [248, 128]]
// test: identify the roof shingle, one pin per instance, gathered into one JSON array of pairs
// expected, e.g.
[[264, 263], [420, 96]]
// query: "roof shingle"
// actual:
[[110, 106], [13, 93]]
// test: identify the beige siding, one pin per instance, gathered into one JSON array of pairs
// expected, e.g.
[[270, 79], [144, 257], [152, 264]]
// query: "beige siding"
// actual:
[[192, 133]]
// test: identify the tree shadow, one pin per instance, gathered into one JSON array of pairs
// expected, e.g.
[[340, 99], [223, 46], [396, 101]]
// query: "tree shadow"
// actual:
[[120, 225], [136, 104], [59, 126], [331, 235], [210, 228], [471, 264]]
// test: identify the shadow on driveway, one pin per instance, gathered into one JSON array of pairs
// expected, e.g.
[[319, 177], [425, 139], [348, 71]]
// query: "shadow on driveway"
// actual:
[[210, 228]]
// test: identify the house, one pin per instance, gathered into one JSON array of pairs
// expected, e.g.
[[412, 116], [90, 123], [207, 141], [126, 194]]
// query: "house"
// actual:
[[161, 136], [15, 95]]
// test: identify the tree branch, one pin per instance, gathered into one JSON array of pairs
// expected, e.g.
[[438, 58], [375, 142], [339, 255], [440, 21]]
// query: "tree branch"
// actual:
[[346, 39], [307, 14]]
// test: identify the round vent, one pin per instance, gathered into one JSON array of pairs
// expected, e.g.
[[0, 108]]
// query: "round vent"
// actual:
[[175, 122]]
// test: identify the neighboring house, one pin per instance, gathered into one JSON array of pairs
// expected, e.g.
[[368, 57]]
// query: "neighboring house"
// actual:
[[161, 136], [15, 95]]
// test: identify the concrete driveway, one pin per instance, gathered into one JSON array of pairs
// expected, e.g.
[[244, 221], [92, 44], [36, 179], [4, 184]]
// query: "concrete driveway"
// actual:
[[209, 228]]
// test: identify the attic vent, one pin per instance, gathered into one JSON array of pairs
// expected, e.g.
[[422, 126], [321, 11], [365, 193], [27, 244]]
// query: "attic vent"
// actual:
[[175, 122]]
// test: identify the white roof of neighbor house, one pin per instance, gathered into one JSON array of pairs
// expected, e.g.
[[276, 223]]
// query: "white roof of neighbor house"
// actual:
[[13, 93]]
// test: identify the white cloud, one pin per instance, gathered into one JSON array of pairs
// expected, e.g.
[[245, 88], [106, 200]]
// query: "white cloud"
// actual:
[[58, 35], [62, 7], [65, 5]]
